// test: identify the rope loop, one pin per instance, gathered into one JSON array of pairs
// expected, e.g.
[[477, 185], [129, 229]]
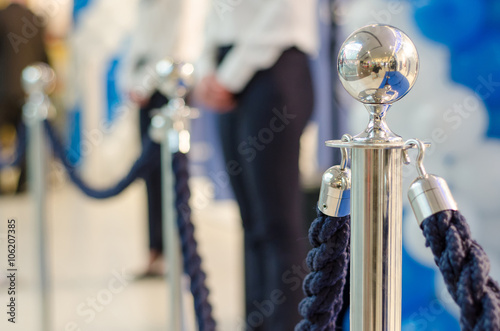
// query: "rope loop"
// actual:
[[148, 160]]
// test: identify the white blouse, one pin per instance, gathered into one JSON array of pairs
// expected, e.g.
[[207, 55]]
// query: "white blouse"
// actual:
[[259, 31], [163, 28]]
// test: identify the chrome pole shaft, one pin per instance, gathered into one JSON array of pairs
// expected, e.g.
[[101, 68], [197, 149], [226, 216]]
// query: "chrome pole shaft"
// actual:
[[376, 239], [171, 240], [377, 65], [36, 175], [38, 80]]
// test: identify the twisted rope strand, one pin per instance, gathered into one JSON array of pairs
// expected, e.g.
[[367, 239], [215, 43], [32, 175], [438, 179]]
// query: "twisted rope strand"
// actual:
[[150, 158], [192, 260], [465, 268], [328, 261]]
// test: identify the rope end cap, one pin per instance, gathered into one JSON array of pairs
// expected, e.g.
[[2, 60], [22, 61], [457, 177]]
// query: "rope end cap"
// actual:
[[429, 195], [335, 194]]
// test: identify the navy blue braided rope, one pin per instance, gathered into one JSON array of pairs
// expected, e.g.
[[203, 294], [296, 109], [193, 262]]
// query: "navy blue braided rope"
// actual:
[[465, 268], [20, 149], [328, 262], [192, 260], [148, 160]]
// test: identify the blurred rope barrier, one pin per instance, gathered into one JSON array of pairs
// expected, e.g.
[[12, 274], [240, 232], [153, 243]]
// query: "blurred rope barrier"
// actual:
[[192, 260], [328, 262], [37, 79], [20, 151], [148, 160]]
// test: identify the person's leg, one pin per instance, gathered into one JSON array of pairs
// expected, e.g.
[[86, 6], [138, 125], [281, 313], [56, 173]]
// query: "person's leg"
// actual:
[[231, 129], [153, 188], [276, 107], [15, 120], [261, 138], [233, 133]]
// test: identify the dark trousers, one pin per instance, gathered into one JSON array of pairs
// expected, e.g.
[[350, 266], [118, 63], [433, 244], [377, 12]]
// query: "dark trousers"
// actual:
[[153, 180], [260, 140]]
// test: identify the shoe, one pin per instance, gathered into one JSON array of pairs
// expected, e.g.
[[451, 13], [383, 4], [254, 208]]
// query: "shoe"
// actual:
[[149, 274]]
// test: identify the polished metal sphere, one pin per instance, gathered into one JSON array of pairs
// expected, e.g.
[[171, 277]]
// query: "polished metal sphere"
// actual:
[[38, 77], [176, 78], [378, 64]]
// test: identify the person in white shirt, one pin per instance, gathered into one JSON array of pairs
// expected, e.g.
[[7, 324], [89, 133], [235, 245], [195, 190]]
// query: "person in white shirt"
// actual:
[[255, 74]]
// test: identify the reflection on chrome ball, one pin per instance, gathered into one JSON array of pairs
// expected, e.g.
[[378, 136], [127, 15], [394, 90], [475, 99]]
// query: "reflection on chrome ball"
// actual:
[[38, 77], [378, 64]]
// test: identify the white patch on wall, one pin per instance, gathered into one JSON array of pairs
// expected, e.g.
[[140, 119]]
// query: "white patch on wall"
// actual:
[[96, 40]]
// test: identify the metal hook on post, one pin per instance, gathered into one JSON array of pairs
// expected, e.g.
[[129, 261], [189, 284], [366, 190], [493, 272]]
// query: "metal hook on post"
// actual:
[[420, 157], [345, 153], [428, 194]]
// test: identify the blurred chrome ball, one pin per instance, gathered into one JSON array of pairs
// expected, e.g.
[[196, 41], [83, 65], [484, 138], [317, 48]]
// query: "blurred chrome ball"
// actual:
[[378, 64], [175, 78], [38, 77]]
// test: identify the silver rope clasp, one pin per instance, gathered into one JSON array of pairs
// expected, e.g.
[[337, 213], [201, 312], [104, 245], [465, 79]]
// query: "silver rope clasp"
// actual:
[[428, 194], [335, 194]]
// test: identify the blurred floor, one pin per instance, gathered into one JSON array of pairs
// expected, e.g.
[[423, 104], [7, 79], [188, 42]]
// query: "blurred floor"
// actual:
[[95, 249]]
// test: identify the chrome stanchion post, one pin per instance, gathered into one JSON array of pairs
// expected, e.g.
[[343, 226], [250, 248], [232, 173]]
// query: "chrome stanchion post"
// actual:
[[377, 65], [168, 128], [37, 81]]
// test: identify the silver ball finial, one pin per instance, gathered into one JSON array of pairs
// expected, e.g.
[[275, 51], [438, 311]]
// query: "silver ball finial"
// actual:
[[176, 77], [38, 77], [38, 81], [378, 64]]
